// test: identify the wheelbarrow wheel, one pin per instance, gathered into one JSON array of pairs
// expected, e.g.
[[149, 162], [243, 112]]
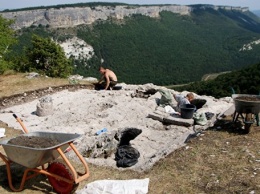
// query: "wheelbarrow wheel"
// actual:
[[60, 186]]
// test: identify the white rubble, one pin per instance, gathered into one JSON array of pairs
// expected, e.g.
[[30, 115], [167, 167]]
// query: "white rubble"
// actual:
[[88, 111]]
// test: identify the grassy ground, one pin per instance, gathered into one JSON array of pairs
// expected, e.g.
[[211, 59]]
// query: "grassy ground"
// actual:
[[221, 160], [18, 83]]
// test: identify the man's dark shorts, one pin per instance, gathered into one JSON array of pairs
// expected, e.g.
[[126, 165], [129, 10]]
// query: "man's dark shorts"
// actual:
[[112, 84], [102, 85]]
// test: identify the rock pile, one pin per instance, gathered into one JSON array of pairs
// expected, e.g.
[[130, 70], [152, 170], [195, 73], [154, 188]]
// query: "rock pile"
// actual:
[[88, 111]]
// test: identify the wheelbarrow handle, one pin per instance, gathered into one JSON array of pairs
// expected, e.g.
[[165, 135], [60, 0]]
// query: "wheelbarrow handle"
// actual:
[[21, 123]]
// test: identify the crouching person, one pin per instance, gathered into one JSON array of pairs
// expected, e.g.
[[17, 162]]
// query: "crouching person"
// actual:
[[181, 100], [107, 81]]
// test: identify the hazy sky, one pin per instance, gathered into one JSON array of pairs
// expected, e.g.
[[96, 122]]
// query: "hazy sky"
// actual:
[[14, 4]]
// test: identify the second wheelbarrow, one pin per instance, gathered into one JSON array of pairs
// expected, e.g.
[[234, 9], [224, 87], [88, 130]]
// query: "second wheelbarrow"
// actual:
[[247, 107]]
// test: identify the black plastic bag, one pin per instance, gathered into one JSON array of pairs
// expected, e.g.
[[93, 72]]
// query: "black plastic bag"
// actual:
[[126, 156], [128, 135]]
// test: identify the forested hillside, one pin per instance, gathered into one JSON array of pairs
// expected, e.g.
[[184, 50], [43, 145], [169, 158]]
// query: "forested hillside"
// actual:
[[172, 49], [244, 81]]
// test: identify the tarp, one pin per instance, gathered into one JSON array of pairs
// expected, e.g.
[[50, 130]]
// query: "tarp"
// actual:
[[166, 98], [133, 186]]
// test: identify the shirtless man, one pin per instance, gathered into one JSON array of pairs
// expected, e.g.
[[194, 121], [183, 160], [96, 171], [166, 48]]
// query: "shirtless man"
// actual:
[[109, 77]]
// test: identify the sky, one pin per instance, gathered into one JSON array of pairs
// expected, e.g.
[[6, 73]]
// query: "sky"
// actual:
[[15, 4]]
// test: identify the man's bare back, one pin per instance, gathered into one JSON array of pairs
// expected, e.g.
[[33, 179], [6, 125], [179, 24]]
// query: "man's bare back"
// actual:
[[109, 77]]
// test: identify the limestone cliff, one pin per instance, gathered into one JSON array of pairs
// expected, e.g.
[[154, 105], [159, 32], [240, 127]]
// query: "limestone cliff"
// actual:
[[73, 16]]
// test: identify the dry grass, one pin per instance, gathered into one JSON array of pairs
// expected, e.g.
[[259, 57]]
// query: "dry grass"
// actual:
[[18, 83], [219, 161]]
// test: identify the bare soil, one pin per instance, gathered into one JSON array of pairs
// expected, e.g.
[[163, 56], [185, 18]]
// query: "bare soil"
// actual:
[[34, 141], [248, 98]]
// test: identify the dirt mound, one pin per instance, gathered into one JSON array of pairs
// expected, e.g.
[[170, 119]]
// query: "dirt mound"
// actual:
[[34, 141], [248, 98], [29, 96]]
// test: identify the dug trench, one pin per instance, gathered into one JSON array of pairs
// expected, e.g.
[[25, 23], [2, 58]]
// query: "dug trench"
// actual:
[[29, 96]]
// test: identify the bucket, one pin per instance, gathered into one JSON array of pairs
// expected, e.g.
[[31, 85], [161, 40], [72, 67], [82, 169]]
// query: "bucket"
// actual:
[[187, 111]]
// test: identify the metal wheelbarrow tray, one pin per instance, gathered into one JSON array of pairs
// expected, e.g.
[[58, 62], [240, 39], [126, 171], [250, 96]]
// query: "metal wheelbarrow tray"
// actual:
[[62, 176], [247, 107], [34, 157]]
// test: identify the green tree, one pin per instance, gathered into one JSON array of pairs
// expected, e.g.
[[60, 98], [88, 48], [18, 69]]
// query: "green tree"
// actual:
[[6, 40], [45, 56]]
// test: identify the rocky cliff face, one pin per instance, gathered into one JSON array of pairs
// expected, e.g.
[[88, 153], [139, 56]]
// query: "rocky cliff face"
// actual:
[[73, 16]]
